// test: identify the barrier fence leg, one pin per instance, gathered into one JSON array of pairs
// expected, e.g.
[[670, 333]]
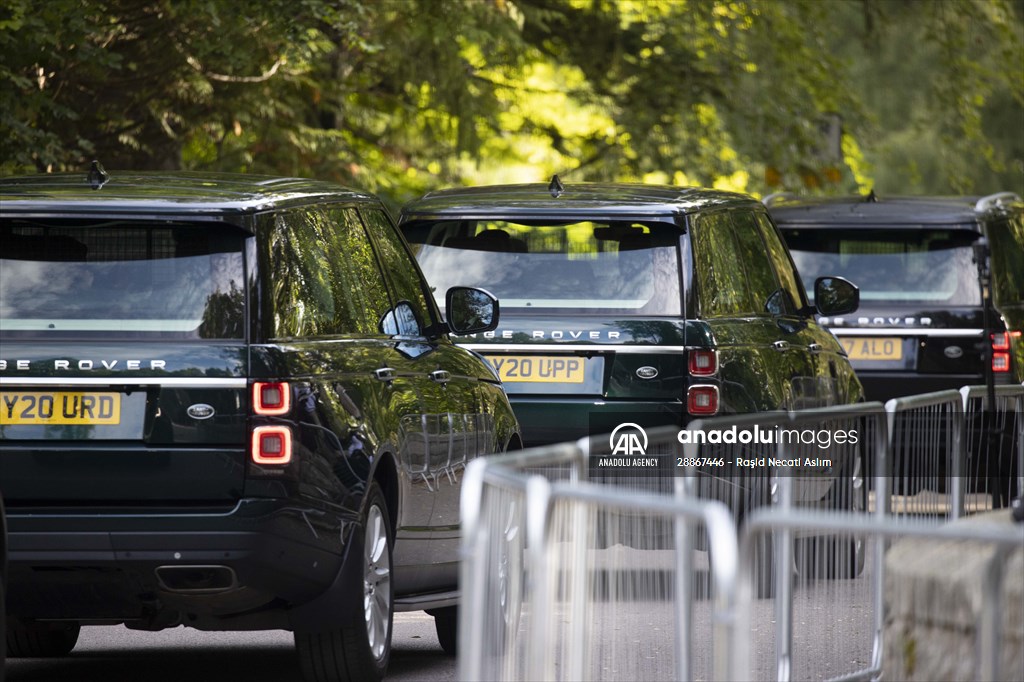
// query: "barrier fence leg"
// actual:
[[783, 565], [538, 506], [683, 582]]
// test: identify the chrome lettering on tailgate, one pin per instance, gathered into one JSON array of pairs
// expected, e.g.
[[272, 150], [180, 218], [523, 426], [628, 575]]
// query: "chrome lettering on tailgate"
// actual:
[[87, 365]]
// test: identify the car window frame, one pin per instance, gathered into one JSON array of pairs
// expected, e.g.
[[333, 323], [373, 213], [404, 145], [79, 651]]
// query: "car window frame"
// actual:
[[428, 316], [766, 226]]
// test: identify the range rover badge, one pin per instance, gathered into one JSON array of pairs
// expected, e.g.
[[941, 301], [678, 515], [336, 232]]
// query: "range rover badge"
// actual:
[[647, 372], [200, 411], [953, 352]]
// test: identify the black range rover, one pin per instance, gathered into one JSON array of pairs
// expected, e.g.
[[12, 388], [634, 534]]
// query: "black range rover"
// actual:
[[924, 324], [668, 302], [230, 402], [920, 325]]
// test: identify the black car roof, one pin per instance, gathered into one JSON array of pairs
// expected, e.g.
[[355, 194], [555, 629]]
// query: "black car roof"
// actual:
[[905, 211], [576, 199], [160, 193]]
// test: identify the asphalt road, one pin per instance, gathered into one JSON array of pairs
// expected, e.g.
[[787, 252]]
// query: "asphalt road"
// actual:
[[631, 641], [116, 654]]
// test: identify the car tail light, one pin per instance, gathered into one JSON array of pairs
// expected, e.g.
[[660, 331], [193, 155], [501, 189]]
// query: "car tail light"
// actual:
[[1001, 350], [702, 401], [1000, 362], [703, 363], [271, 445], [271, 399]]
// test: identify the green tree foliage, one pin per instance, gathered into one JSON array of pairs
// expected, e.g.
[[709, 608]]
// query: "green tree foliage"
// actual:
[[944, 85], [401, 96]]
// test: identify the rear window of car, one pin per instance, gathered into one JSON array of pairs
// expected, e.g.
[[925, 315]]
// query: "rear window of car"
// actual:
[[891, 266], [548, 266], [121, 279]]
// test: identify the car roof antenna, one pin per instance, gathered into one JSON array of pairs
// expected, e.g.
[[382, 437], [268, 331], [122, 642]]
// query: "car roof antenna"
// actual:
[[556, 187], [871, 198], [97, 176]]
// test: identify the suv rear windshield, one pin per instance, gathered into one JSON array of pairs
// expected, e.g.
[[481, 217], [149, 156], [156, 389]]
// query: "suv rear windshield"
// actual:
[[891, 266], [121, 278], [555, 266]]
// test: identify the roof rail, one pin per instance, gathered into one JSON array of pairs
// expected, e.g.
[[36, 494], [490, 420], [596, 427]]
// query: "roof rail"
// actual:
[[995, 200], [775, 196]]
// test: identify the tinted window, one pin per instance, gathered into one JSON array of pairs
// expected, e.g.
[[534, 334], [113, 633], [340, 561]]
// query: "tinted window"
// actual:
[[553, 266], [402, 272], [891, 266], [359, 286], [121, 278], [793, 296], [300, 277], [718, 268], [1006, 241], [325, 278], [755, 263]]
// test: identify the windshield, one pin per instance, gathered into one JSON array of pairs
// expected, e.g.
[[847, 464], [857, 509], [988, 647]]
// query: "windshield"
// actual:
[[552, 266], [120, 278], [891, 266]]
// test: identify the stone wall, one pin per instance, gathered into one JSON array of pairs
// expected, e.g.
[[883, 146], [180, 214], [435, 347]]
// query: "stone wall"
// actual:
[[933, 597]]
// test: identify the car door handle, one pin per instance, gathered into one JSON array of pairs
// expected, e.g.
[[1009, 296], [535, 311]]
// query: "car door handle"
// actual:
[[781, 346], [441, 376], [814, 347], [384, 374]]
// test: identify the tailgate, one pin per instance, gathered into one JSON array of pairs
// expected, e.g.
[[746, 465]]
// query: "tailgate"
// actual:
[[166, 425]]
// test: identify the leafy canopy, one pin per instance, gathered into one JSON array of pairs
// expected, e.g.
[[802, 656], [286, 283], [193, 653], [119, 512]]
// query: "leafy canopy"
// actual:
[[401, 96]]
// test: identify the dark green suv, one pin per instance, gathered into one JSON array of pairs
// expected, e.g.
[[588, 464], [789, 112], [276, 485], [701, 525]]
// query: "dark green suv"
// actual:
[[661, 303], [229, 402]]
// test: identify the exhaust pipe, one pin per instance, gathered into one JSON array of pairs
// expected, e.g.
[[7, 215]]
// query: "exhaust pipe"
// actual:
[[196, 579]]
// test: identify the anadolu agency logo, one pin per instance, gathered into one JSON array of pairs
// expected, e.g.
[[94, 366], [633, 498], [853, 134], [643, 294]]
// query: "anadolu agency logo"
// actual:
[[628, 444], [629, 440]]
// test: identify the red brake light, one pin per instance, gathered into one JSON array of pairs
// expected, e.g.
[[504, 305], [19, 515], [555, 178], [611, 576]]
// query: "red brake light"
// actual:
[[1001, 350], [270, 399], [702, 401], [703, 363], [271, 445], [1000, 362]]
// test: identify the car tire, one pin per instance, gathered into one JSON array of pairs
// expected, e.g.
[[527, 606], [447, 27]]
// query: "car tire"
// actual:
[[446, 623], [360, 652], [35, 639]]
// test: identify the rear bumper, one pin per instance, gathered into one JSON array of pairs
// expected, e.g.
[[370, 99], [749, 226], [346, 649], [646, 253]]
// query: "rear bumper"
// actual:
[[546, 420], [105, 566], [888, 385]]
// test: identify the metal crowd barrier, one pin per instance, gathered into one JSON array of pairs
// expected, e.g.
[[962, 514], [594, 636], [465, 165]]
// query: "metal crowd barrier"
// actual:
[[565, 598], [927, 445], [994, 444], [822, 569], [989, 639], [952, 453], [634, 578]]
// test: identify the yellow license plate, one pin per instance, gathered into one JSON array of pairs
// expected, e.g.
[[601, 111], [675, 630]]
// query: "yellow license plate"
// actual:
[[873, 348], [539, 368], [49, 407]]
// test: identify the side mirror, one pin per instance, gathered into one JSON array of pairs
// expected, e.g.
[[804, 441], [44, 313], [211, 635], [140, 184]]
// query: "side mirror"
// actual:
[[835, 296], [470, 311]]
